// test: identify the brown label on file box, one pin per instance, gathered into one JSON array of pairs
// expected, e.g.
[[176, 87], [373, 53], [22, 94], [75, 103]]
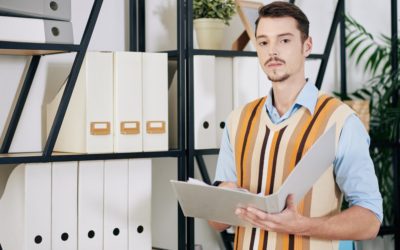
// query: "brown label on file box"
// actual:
[[100, 128], [130, 127], [155, 127]]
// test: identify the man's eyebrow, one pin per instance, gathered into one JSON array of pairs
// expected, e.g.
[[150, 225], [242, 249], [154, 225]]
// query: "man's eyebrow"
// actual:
[[280, 35]]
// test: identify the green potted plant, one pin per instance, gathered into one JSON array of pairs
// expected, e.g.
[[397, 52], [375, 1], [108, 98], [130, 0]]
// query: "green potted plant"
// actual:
[[374, 55], [210, 18]]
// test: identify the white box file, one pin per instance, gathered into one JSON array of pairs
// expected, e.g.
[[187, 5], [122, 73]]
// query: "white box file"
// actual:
[[139, 204], [49, 9], [155, 101], [64, 209], [204, 102], [128, 133], [25, 208], [115, 204], [245, 80], [88, 123], [90, 205], [224, 93]]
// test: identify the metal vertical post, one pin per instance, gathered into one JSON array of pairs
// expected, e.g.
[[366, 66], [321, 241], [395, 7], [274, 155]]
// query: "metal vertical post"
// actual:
[[76, 66], [329, 44], [343, 71], [181, 36], [133, 26], [141, 25], [396, 151], [190, 113]]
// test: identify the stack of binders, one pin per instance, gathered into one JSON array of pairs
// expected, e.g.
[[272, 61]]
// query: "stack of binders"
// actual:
[[222, 84], [97, 205], [36, 21], [119, 104]]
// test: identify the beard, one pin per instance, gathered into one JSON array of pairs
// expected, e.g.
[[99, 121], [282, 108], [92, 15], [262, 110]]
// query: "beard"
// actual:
[[276, 78]]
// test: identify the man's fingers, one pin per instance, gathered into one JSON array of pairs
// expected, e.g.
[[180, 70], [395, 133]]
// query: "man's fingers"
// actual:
[[290, 202]]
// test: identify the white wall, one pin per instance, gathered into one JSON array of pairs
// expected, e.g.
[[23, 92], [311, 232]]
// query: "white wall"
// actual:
[[111, 34]]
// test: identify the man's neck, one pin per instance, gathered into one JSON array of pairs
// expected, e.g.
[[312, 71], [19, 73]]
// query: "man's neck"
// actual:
[[285, 93]]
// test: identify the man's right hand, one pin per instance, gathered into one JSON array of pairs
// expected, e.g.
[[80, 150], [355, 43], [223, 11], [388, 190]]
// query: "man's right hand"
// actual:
[[217, 225]]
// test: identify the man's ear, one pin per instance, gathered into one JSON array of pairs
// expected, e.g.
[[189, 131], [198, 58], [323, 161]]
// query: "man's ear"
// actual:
[[307, 46]]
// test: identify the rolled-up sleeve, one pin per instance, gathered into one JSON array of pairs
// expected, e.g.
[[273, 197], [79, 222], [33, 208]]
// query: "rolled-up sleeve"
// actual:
[[226, 164], [354, 169]]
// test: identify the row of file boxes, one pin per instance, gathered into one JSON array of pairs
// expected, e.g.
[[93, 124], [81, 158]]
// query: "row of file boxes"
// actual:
[[221, 84], [51, 22], [94, 205], [119, 104]]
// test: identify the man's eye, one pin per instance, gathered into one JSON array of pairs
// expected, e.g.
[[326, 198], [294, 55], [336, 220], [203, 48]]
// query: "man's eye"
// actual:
[[263, 43], [285, 40]]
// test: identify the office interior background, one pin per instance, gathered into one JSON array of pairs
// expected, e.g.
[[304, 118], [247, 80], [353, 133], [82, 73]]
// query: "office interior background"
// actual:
[[111, 33]]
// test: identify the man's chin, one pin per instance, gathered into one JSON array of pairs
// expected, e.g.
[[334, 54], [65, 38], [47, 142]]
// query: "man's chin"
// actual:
[[278, 78]]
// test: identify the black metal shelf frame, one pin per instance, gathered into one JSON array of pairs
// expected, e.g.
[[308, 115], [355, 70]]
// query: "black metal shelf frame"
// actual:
[[32, 47], [137, 43]]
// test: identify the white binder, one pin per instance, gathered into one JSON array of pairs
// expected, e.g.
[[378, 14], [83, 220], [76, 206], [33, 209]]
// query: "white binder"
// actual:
[[53, 9], [127, 102], [19, 29], [25, 208], [90, 205], [245, 80], [115, 204], [155, 101], [204, 102], [224, 94], [139, 204], [88, 122], [64, 212], [264, 84]]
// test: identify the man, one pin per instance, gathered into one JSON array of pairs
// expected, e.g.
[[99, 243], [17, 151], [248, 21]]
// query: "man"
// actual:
[[267, 137]]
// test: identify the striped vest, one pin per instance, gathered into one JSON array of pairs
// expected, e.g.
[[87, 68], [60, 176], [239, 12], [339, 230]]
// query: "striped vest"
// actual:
[[266, 153]]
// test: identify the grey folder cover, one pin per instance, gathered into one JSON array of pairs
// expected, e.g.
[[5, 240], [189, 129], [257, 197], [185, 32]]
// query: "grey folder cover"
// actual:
[[219, 204], [50, 9], [58, 32]]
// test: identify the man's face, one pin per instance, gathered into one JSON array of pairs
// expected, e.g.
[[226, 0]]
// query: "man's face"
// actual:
[[280, 49]]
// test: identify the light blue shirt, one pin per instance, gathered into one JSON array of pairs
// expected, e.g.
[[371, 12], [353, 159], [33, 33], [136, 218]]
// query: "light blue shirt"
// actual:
[[353, 166]]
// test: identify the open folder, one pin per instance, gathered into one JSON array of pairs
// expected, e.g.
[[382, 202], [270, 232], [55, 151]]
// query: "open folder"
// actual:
[[200, 200]]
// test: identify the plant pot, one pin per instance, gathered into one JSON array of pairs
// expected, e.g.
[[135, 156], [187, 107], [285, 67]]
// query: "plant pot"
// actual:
[[209, 32]]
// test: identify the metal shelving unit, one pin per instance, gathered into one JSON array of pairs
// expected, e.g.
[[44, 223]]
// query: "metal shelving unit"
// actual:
[[137, 43], [184, 54]]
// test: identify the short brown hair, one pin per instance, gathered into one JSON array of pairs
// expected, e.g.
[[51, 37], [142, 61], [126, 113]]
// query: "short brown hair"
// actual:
[[285, 9]]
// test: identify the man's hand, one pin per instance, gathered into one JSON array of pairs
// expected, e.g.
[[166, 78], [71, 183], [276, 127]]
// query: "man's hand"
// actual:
[[354, 223], [288, 221]]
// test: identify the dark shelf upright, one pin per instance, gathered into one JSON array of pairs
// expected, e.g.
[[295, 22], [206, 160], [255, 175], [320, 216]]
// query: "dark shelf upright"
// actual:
[[76, 66], [190, 114], [394, 60], [181, 47]]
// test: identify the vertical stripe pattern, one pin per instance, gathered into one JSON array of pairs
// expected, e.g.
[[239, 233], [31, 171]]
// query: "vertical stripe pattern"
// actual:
[[265, 167]]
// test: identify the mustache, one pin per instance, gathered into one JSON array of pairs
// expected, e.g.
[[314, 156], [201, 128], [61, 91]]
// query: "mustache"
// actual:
[[276, 59]]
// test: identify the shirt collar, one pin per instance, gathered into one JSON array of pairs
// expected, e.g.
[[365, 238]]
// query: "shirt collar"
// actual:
[[307, 98]]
